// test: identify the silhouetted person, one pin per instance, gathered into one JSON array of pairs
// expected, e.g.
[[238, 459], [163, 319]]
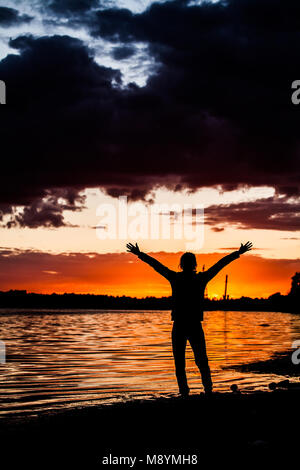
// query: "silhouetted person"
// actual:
[[188, 288]]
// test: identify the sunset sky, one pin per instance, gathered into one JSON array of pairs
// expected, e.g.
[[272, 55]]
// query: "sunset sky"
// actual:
[[175, 102]]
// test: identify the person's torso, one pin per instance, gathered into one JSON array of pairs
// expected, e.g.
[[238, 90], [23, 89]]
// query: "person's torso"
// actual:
[[188, 295]]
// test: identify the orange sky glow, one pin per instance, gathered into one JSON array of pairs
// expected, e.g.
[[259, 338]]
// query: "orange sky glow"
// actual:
[[124, 274], [72, 258]]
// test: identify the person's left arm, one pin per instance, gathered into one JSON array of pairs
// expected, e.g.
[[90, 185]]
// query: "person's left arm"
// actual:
[[159, 267]]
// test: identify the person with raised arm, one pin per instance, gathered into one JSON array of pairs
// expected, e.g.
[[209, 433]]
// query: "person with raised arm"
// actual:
[[188, 287]]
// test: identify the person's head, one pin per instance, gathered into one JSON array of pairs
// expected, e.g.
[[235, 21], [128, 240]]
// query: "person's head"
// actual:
[[188, 262]]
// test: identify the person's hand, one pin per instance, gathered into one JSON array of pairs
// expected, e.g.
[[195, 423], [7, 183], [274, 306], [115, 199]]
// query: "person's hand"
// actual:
[[244, 248], [133, 248]]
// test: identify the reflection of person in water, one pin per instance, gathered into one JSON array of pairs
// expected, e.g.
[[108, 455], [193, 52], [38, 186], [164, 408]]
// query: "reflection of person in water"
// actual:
[[188, 288]]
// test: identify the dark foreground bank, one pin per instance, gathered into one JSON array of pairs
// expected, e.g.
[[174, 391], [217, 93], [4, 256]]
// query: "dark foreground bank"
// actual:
[[233, 428], [281, 363]]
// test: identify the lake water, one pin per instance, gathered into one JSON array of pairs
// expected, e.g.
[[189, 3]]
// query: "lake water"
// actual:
[[70, 359]]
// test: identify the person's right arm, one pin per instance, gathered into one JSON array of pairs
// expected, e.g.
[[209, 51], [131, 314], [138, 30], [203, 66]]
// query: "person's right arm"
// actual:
[[211, 272], [159, 267]]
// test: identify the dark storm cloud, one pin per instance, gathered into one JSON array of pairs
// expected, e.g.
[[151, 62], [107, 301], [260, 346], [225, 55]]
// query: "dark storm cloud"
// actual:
[[57, 113], [269, 214], [72, 6], [123, 52], [219, 57], [217, 111], [49, 210], [11, 17], [277, 212]]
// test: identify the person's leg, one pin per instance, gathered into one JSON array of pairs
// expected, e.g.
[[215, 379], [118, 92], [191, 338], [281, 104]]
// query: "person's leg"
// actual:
[[179, 345], [197, 341]]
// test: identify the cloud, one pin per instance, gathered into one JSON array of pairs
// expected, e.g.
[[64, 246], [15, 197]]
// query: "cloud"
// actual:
[[290, 238], [72, 6], [11, 17], [217, 110], [274, 213], [277, 212], [217, 56], [60, 101], [48, 211], [123, 52]]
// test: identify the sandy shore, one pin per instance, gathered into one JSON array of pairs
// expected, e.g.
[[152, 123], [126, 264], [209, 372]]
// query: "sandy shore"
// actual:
[[232, 428], [226, 427], [280, 364]]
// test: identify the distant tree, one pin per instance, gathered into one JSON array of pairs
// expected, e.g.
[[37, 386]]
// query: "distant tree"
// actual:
[[295, 287], [275, 296]]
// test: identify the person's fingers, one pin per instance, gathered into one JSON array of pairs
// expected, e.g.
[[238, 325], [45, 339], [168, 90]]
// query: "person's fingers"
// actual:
[[246, 247], [133, 248]]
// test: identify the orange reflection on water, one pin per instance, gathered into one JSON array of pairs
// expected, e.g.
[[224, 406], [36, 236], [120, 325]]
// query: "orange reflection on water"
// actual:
[[64, 359]]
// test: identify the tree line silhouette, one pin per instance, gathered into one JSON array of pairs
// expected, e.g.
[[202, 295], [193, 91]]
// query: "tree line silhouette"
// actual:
[[23, 299]]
